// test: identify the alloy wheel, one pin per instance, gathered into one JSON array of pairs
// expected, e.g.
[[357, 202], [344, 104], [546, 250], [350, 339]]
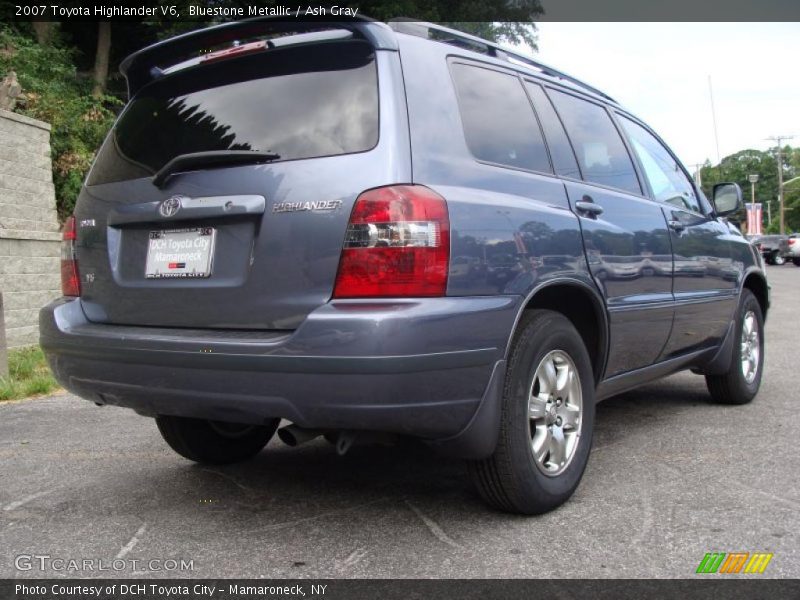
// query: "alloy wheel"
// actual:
[[554, 411], [750, 347]]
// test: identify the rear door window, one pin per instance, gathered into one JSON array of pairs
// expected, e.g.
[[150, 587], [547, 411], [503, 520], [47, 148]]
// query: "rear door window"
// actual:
[[598, 146], [499, 124], [303, 102]]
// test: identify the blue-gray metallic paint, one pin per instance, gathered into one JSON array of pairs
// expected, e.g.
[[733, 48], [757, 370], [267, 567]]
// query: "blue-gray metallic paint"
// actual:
[[262, 339]]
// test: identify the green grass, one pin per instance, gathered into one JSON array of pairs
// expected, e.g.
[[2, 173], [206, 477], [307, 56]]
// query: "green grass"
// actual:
[[28, 375]]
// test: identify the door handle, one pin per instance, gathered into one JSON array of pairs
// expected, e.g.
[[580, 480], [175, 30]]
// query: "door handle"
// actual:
[[589, 208], [676, 225]]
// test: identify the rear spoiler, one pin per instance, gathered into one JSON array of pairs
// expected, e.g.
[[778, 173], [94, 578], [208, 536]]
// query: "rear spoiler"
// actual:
[[142, 67]]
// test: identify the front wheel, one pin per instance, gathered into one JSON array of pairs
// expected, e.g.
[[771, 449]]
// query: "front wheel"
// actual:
[[740, 384], [214, 442], [547, 419]]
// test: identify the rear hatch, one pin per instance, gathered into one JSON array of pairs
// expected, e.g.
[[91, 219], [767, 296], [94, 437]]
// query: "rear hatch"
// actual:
[[248, 244]]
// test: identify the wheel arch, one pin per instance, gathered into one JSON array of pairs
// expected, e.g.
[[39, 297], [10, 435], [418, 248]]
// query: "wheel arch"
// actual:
[[583, 306], [756, 282]]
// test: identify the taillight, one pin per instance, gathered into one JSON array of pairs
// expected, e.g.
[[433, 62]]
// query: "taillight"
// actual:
[[70, 281], [792, 241], [397, 245]]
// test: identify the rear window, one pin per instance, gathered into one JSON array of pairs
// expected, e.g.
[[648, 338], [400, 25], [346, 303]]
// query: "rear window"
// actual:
[[499, 124], [305, 102]]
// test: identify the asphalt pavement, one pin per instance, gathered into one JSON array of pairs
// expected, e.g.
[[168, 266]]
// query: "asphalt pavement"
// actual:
[[671, 477]]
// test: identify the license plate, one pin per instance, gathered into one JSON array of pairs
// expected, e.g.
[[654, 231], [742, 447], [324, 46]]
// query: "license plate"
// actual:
[[180, 253]]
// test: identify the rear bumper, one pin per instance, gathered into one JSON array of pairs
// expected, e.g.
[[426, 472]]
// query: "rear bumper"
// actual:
[[430, 368]]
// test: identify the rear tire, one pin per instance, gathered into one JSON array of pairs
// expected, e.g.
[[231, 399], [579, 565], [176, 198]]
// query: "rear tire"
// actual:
[[546, 421], [778, 260], [743, 379], [796, 262], [214, 442]]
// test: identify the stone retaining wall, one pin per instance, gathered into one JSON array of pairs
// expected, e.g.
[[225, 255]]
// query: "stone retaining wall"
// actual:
[[29, 229]]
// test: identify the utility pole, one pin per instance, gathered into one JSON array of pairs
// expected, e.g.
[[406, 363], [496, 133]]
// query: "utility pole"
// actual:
[[779, 140], [714, 120], [698, 179]]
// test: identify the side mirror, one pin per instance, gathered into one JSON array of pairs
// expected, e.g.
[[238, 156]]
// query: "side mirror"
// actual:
[[727, 198]]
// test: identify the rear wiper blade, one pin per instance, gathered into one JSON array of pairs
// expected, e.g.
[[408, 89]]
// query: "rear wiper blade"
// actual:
[[212, 158]]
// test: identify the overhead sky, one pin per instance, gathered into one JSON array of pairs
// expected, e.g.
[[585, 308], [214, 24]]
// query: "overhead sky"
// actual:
[[660, 71]]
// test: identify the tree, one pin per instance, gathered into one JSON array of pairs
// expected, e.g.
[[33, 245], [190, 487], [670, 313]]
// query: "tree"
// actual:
[[54, 93], [44, 31], [102, 58], [514, 33], [737, 168]]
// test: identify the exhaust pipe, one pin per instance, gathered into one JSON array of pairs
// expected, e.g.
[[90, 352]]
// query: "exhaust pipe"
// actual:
[[293, 435]]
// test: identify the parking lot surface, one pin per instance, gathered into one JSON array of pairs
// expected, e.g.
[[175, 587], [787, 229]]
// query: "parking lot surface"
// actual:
[[671, 477]]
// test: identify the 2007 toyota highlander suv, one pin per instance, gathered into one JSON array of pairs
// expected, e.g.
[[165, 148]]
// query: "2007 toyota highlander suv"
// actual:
[[370, 229]]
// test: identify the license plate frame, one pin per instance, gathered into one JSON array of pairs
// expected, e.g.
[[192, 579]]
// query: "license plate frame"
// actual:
[[174, 257]]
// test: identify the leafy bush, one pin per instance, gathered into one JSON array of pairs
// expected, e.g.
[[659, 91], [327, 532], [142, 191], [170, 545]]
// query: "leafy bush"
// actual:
[[54, 92]]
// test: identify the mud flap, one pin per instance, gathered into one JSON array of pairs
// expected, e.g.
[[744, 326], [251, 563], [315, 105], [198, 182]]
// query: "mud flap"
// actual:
[[479, 438]]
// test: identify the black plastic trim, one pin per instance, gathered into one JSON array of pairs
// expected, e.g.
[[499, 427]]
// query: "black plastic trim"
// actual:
[[632, 379], [479, 438], [203, 357]]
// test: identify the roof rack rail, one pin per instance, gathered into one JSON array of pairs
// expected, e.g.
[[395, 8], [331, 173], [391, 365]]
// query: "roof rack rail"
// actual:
[[471, 42]]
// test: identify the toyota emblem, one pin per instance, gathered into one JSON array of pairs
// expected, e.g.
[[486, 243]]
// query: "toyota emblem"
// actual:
[[170, 206]]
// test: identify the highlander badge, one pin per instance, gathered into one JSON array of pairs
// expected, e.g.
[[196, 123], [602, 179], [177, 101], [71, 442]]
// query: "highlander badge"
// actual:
[[303, 206]]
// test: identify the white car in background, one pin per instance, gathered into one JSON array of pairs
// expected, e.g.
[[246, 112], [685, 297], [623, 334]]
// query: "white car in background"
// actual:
[[793, 249]]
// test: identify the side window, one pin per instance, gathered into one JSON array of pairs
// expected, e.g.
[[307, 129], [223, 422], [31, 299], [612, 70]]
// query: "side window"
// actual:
[[498, 121], [560, 151], [600, 150], [666, 178]]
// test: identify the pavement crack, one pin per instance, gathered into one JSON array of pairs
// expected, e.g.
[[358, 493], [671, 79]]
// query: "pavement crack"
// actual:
[[331, 513], [26, 499], [132, 542], [231, 479], [732, 483], [355, 556], [434, 527], [791, 504]]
